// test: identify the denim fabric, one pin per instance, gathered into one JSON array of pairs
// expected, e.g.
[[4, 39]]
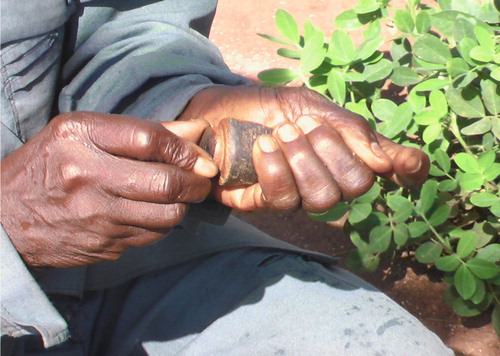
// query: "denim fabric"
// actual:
[[241, 302]]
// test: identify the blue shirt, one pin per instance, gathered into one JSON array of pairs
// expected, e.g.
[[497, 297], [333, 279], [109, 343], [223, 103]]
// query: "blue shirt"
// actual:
[[142, 58]]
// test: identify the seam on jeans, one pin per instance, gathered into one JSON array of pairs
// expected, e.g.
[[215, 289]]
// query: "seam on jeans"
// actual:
[[323, 274], [10, 98], [48, 40]]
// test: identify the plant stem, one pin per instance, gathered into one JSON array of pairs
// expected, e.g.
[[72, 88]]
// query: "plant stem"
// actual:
[[456, 132], [442, 241]]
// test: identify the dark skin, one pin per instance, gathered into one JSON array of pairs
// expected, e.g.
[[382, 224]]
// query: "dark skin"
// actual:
[[89, 186]]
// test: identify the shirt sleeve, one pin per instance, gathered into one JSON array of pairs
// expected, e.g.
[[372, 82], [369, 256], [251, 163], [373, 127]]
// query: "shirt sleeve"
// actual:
[[25, 307], [147, 61]]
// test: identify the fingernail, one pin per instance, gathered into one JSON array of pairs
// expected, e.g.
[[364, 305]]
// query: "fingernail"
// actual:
[[412, 164], [377, 150], [288, 133], [307, 124], [205, 167], [267, 144]]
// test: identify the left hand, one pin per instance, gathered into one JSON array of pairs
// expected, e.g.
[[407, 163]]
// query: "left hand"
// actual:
[[317, 155]]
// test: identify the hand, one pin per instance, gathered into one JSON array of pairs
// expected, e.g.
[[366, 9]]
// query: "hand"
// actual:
[[318, 154], [89, 186]]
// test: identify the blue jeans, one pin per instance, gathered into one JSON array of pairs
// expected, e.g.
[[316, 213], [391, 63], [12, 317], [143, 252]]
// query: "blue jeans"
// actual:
[[240, 302]]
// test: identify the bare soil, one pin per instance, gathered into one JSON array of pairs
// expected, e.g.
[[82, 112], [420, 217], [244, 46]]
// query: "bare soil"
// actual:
[[411, 284]]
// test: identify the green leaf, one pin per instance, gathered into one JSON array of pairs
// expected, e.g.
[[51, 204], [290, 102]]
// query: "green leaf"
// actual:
[[495, 319], [466, 308], [428, 195], [465, 102], [277, 76], [467, 162], [484, 38], [484, 199], [359, 212], [457, 66], [431, 84], [448, 263], [423, 22], [399, 123], [384, 109], [353, 77], [400, 234], [464, 47], [477, 128], [470, 181], [438, 103], [480, 292], [341, 50], [447, 185], [491, 96], [368, 48], [404, 76], [489, 253], [427, 117], [366, 6], [495, 73], [275, 39], [348, 20], [436, 172], [431, 133], [287, 26], [404, 21], [481, 54], [443, 160], [313, 53], [401, 207], [440, 215], [370, 195], [380, 238], [493, 172], [373, 30], [465, 282], [417, 228], [378, 71], [401, 50], [362, 259], [337, 212], [289, 53], [466, 244], [417, 100], [482, 268], [428, 252], [495, 209], [430, 49], [337, 87]]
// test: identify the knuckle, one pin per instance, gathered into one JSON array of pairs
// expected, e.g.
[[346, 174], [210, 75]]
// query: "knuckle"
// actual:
[[144, 139]]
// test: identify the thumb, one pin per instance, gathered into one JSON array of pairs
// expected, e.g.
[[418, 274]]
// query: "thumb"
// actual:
[[411, 165], [189, 130]]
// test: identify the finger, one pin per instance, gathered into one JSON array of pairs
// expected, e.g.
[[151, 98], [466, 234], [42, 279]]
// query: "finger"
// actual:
[[411, 166], [160, 217], [148, 140], [352, 176], [316, 185], [154, 182], [241, 198], [360, 139], [275, 176], [189, 130]]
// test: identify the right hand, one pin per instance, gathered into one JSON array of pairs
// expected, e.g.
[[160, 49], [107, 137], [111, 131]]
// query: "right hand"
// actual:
[[90, 185]]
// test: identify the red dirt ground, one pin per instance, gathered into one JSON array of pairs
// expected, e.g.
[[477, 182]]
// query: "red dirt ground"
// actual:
[[418, 290]]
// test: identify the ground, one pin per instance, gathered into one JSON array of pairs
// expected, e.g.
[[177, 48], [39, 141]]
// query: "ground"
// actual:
[[416, 288]]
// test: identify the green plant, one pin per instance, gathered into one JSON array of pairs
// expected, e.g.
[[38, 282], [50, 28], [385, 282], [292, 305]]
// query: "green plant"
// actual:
[[446, 59]]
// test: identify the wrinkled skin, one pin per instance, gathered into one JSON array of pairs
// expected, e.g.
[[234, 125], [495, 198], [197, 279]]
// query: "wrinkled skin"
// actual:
[[317, 155], [89, 186]]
